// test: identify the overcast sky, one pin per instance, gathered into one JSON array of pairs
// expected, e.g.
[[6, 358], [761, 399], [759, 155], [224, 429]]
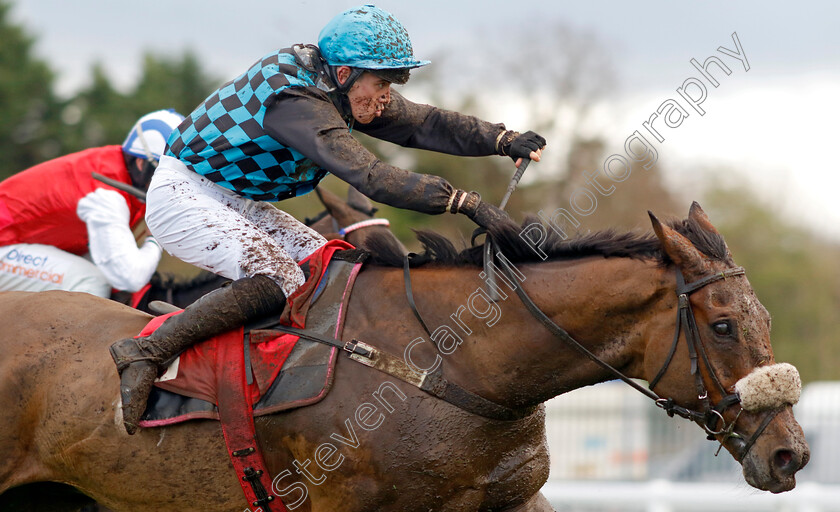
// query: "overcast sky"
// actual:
[[647, 38], [775, 124]]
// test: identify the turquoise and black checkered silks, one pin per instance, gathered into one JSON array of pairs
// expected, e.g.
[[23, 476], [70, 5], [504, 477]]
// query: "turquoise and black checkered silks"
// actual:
[[224, 140]]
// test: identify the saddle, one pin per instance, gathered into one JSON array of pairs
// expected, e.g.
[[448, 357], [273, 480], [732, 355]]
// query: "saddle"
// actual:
[[282, 371]]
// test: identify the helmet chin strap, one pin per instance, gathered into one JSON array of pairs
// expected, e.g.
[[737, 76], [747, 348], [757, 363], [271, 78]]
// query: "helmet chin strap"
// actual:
[[339, 93], [140, 170], [343, 88], [142, 138], [309, 57], [142, 176]]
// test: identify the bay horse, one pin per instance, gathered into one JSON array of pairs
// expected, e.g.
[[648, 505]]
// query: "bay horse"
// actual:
[[378, 443]]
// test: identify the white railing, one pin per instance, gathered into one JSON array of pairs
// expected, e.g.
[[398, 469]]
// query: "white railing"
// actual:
[[667, 496], [612, 450]]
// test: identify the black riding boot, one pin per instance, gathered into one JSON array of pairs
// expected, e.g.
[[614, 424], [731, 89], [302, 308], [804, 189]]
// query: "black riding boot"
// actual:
[[141, 360]]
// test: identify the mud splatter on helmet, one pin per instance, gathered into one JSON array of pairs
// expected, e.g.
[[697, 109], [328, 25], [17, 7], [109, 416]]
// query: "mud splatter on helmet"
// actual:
[[371, 39]]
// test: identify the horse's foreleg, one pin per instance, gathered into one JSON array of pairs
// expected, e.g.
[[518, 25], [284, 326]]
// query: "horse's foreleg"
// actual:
[[537, 503]]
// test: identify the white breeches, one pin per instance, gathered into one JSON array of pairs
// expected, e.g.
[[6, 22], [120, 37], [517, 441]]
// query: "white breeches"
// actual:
[[213, 228], [38, 268]]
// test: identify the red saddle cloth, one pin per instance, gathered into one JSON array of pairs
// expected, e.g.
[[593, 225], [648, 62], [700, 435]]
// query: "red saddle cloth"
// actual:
[[197, 373], [214, 375]]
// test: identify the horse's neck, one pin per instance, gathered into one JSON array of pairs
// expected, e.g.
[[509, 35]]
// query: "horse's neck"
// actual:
[[606, 305], [505, 354]]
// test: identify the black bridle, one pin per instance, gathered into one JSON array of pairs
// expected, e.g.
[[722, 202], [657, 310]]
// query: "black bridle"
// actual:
[[433, 382], [696, 350], [710, 415]]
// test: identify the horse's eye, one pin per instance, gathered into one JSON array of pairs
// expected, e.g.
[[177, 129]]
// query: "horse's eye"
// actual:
[[722, 328]]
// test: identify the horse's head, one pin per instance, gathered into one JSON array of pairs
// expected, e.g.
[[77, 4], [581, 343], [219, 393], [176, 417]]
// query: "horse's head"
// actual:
[[721, 367]]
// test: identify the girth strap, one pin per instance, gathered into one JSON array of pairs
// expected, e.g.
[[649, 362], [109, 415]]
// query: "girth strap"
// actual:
[[236, 415]]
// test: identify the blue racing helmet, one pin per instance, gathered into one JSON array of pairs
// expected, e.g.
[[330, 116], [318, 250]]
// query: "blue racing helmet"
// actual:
[[370, 38]]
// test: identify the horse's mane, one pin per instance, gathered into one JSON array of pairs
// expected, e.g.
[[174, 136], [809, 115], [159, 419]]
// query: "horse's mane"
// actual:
[[506, 237], [175, 283]]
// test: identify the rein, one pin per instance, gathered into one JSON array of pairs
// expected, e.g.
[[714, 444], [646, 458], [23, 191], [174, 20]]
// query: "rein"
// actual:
[[435, 384], [666, 404], [346, 230], [686, 322]]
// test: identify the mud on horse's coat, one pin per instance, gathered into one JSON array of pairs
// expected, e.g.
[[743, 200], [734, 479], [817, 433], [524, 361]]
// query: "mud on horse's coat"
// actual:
[[426, 454]]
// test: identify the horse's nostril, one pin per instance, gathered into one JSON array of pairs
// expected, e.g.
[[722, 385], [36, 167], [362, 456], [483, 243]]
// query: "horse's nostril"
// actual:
[[786, 461]]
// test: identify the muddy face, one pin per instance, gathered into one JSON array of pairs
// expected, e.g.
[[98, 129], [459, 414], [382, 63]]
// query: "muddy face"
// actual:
[[733, 331], [736, 329], [781, 451], [368, 97]]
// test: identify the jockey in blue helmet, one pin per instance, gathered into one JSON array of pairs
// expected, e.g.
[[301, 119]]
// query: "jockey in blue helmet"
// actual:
[[368, 39], [274, 132]]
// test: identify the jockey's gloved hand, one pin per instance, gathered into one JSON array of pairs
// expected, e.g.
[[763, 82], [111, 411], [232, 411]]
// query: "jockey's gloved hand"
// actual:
[[519, 145], [471, 205]]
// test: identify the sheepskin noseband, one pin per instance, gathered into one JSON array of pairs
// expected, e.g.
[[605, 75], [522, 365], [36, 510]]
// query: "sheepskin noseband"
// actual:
[[769, 387]]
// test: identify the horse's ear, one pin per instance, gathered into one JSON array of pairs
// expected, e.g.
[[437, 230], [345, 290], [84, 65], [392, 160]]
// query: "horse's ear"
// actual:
[[698, 215], [331, 201], [358, 200], [679, 248]]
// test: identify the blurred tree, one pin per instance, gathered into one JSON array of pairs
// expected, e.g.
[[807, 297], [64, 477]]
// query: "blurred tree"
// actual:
[[100, 115], [620, 205], [95, 116], [26, 98], [562, 90], [553, 97], [794, 273], [178, 83]]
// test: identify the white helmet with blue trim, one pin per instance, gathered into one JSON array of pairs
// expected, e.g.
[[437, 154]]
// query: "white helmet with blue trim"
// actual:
[[147, 139]]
